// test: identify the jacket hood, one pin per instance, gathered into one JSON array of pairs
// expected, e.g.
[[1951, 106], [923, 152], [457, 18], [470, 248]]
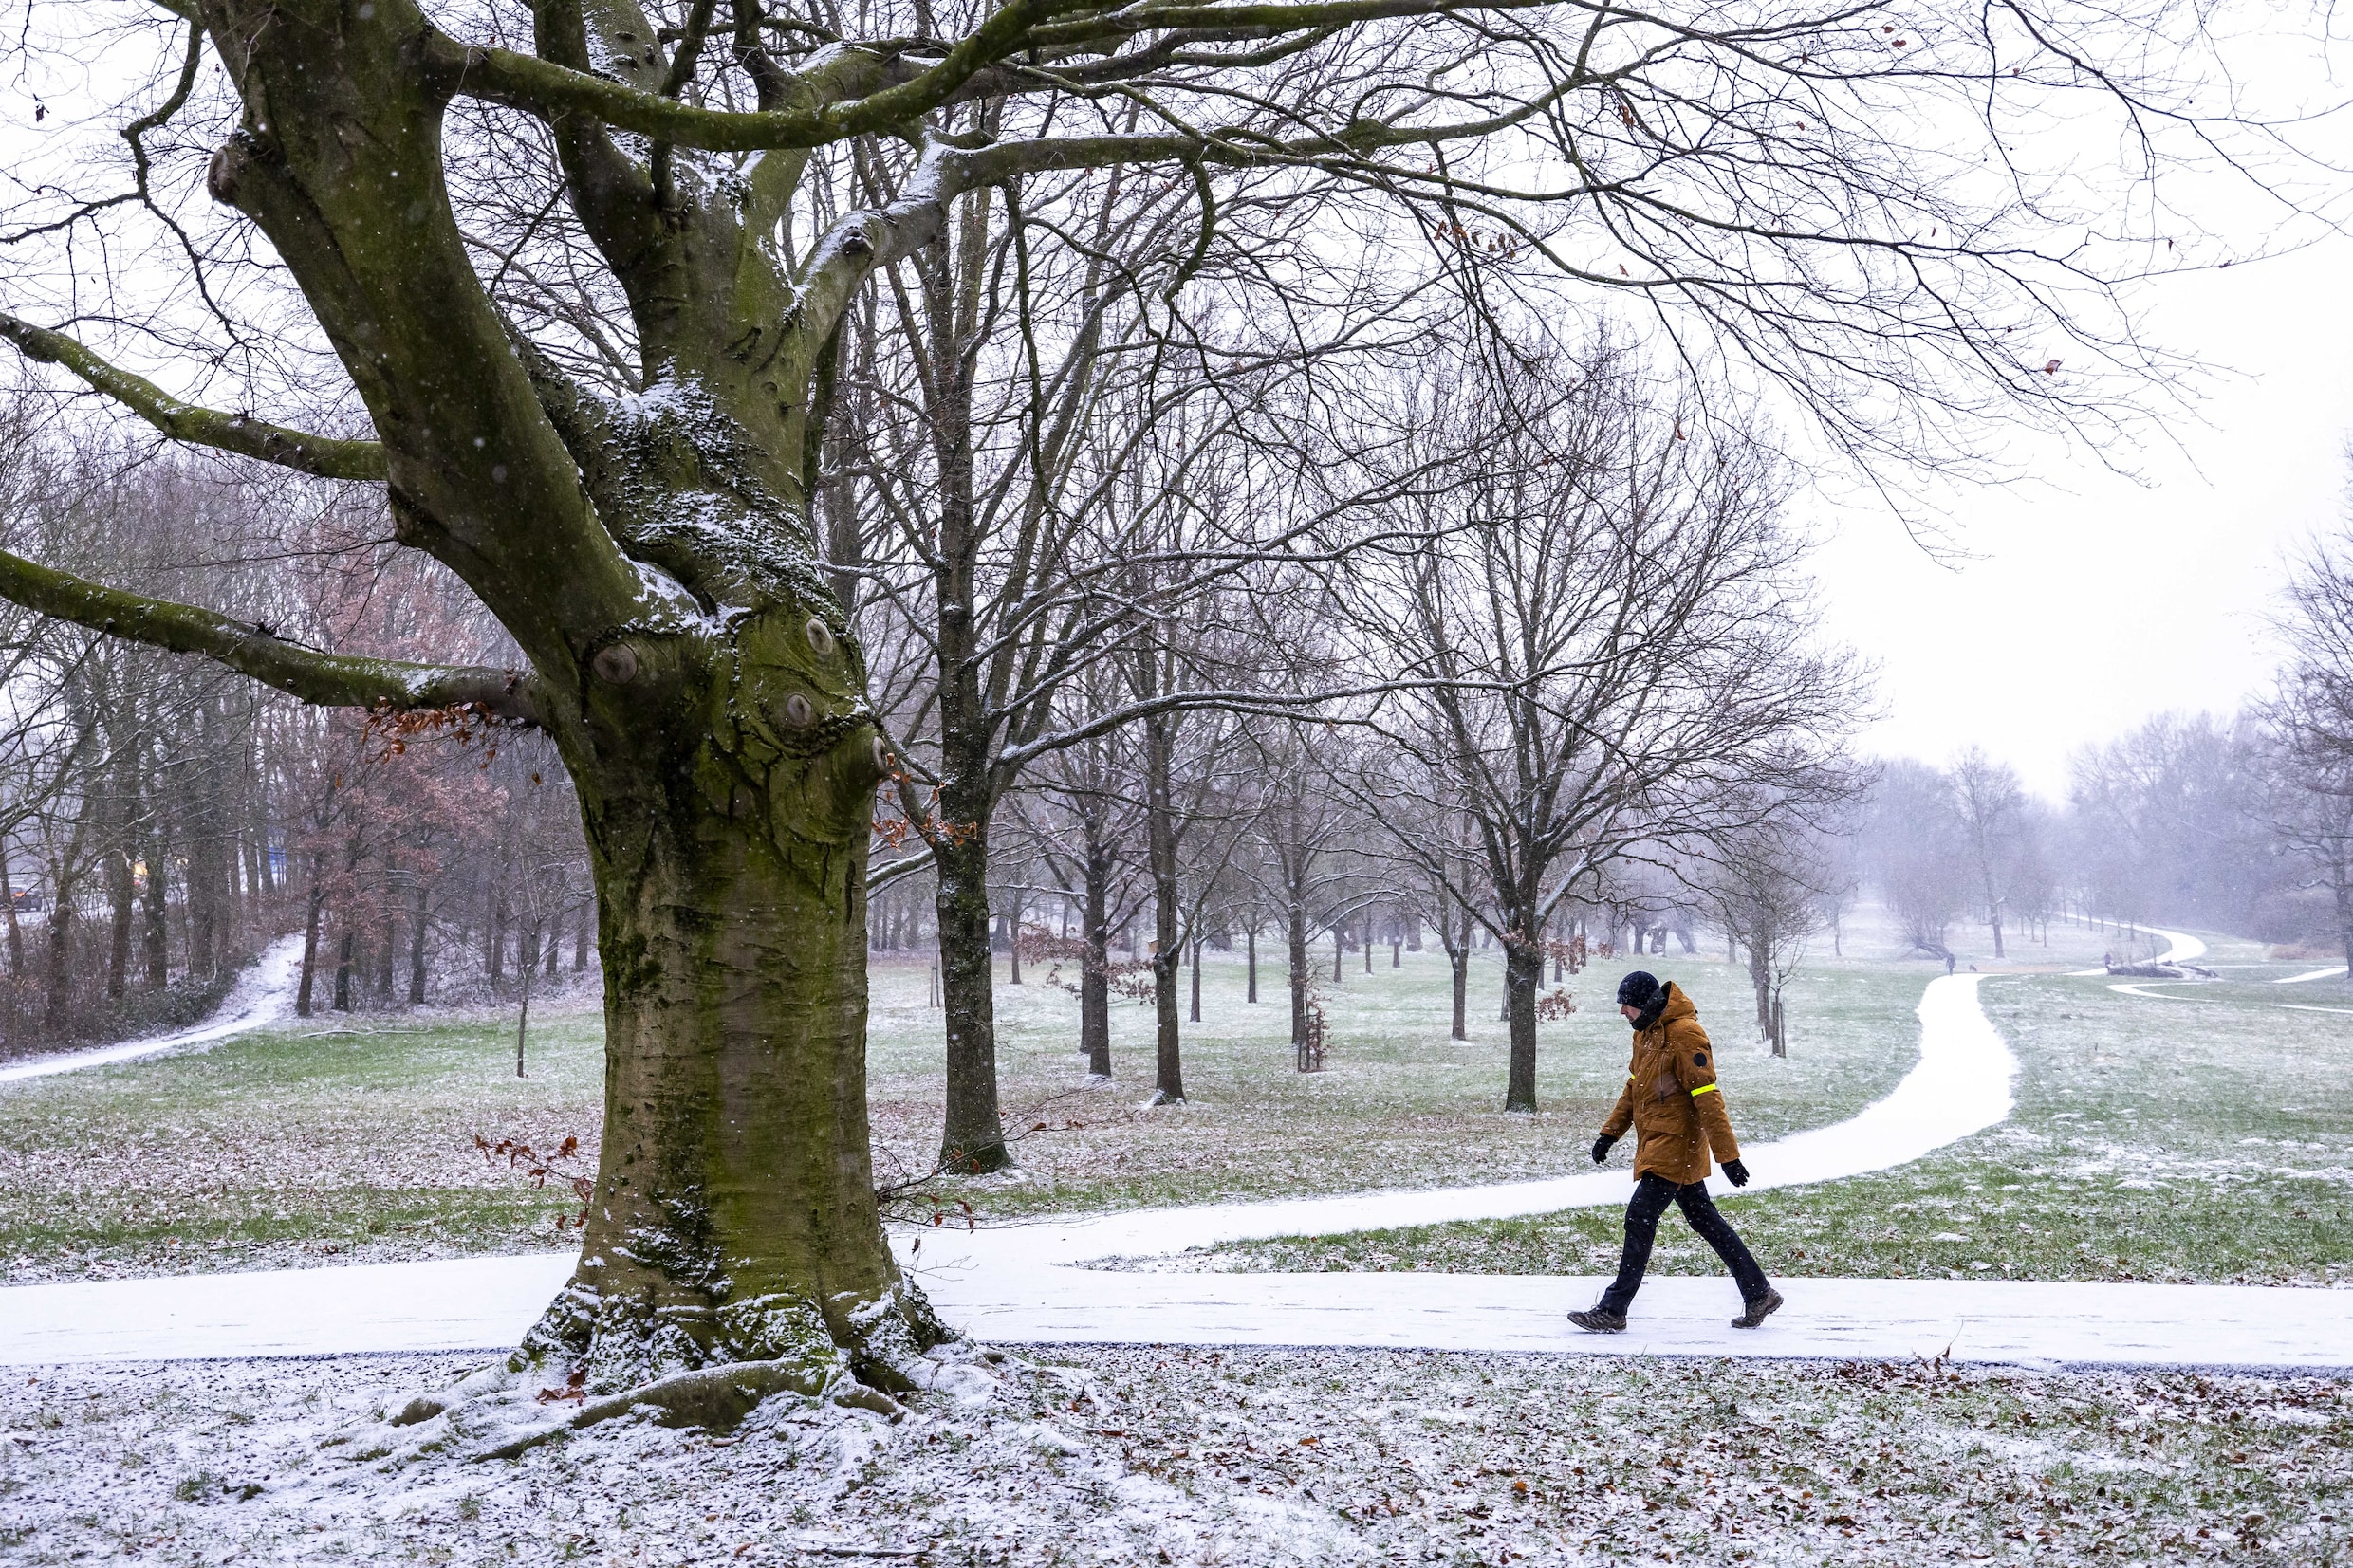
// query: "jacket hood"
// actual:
[[1679, 1006]]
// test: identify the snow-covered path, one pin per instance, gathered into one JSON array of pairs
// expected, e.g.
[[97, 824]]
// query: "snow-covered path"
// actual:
[[262, 997], [487, 1303], [1024, 1283]]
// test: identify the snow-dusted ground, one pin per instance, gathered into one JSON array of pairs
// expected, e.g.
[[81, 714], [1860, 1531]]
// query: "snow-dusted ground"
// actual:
[[1026, 1282], [264, 996], [1249, 1459]]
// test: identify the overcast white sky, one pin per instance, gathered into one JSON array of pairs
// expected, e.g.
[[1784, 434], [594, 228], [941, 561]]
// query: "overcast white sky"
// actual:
[[2094, 600]]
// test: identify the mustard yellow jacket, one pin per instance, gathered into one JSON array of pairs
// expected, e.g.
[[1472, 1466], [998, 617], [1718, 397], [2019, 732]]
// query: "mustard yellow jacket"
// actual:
[[1671, 1099]]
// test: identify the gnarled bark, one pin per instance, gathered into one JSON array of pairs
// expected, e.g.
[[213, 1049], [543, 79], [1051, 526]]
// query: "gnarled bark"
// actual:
[[726, 796]]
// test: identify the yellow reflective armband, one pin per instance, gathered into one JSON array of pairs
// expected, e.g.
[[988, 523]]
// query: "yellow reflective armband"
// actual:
[[1703, 1089]]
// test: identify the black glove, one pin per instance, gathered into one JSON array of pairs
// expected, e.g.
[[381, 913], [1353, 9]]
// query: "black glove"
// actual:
[[1601, 1148], [1737, 1172]]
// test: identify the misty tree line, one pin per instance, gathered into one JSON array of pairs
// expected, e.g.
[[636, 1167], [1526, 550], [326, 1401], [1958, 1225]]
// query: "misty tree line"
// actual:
[[2240, 822]]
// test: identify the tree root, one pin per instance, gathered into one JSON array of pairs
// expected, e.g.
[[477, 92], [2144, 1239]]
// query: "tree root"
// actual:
[[711, 1398], [618, 1359]]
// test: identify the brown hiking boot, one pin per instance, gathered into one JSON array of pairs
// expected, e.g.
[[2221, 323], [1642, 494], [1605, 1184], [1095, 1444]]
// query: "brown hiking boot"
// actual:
[[1760, 1309], [1598, 1320]]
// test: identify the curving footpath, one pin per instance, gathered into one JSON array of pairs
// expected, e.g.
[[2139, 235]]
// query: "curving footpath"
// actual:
[[264, 996], [2185, 949], [1025, 1284]]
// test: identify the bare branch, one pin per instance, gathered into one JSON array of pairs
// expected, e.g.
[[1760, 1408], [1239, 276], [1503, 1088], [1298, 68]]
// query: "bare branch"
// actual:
[[324, 457], [328, 680]]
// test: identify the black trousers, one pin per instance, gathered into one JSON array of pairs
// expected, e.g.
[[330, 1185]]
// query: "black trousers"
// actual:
[[1651, 1196]]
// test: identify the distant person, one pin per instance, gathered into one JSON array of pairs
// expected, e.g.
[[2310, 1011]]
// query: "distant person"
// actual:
[[1949, 962], [1671, 1102]]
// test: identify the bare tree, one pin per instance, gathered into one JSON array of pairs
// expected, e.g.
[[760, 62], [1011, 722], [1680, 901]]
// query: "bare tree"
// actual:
[[2309, 793], [1997, 826], [1766, 881], [1606, 644]]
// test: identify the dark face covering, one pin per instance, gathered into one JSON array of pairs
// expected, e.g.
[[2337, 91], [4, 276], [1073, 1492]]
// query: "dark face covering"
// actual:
[[1649, 1015]]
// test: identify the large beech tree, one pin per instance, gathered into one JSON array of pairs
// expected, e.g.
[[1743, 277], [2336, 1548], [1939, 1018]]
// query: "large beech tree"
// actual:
[[625, 479]]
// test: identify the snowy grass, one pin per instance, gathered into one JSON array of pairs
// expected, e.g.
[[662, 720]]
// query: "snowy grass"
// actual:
[[345, 1141], [1260, 1458], [2201, 1140], [354, 1139]]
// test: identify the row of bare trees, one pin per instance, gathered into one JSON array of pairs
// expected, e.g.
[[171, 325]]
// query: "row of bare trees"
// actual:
[[2241, 823]]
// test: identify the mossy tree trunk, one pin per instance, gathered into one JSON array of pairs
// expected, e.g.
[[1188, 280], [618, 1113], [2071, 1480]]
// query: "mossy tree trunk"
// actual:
[[734, 1215]]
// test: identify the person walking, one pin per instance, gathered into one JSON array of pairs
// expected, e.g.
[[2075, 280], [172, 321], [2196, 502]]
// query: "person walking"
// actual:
[[1672, 1102]]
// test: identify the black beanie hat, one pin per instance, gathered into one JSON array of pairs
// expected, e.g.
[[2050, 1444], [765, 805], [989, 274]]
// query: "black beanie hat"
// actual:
[[1638, 990]]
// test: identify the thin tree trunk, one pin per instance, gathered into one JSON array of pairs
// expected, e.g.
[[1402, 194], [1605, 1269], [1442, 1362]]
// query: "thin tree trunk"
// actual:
[[155, 933], [1252, 938], [2343, 888], [1460, 959], [1297, 933], [16, 931], [311, 935], [121, 826], [1168, 1084], [1095, 962], [121, 898], [57, 1013], [1761, 981], [1194, 1016], [523, 1018], [1523, 978], [972, 1138], [1012, 947], [419, 928], [342, 966]]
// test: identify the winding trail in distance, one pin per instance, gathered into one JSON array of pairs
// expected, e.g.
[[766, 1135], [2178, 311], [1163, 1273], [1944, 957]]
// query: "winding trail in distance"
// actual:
[[2186, 948], [263, 996]]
